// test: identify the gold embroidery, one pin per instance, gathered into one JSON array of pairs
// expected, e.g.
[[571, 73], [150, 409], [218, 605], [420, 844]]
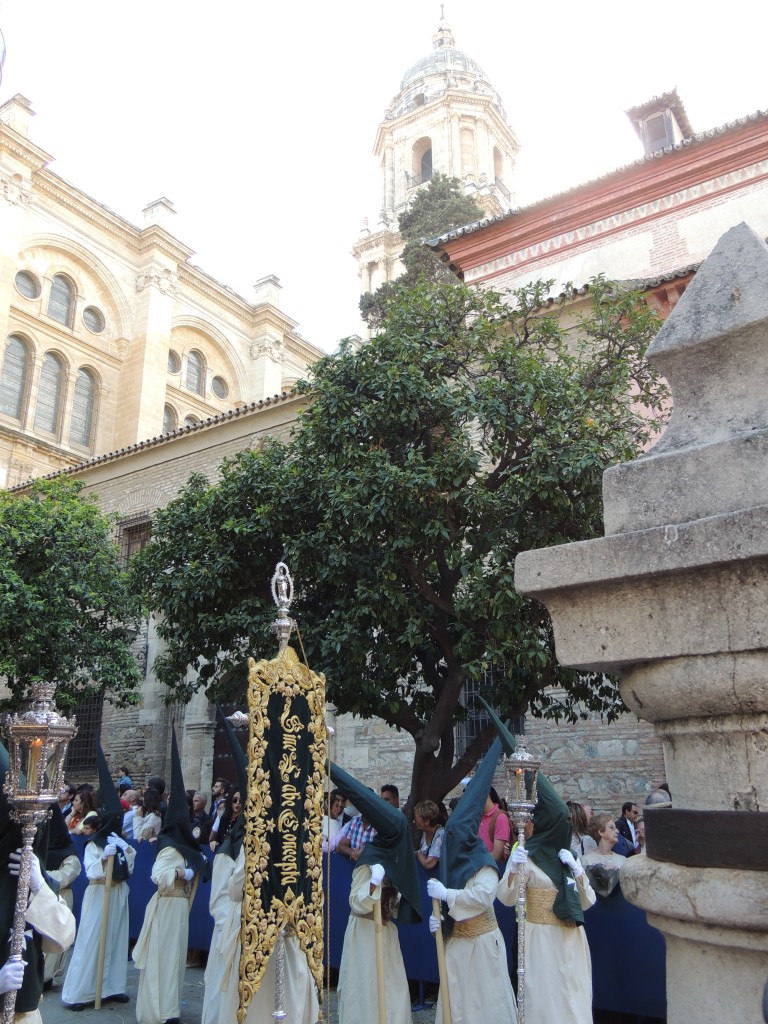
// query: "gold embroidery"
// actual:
[[297, 819]]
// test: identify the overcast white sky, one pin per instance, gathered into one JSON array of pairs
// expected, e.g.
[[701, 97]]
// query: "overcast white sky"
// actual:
[[258, 119]]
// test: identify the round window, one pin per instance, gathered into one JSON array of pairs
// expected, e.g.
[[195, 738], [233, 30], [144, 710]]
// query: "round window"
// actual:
[[27, 284], [93, 319], [174, 361], [219, 387]]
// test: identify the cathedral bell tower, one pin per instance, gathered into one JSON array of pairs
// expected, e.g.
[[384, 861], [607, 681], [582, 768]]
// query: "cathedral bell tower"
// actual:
[[446, 118]]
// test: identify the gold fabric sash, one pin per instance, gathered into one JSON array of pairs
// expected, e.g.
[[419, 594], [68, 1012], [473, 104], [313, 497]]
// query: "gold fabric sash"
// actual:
[[474, 926], [538, 908], [181, 889]]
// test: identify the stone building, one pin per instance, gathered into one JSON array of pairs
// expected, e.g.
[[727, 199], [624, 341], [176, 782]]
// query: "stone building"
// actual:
[[448, 118], [111, 335]]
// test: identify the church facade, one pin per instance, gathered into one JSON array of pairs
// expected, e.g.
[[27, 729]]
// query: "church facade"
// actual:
[[111, 335]]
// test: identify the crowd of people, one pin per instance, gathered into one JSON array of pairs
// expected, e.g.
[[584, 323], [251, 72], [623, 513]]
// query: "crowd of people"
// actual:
[[470, 853]]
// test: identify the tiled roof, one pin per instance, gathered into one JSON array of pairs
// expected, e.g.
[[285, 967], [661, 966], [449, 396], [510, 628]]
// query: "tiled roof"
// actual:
[[700, 137], [641, 283], [153, 442]]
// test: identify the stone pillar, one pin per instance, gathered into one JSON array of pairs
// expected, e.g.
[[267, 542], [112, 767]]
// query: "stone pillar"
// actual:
[[674, 600]]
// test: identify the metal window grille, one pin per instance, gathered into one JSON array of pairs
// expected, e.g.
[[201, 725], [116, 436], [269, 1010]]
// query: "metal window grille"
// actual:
[[13, 383], [477, 717], [49, 395], [133, 535], [195, 373], [81, 429], [60, 300], [80, 765]]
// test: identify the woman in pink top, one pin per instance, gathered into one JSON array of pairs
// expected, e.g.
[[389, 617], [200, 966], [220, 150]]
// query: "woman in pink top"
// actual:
[[494, 827]]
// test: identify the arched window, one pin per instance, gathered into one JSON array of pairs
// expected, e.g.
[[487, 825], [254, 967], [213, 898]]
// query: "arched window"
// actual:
[[421, 157], [191, 421], [196, 373], [83, 409], [170, 419], [61, 300], [426, 166], [49, 395], [13, 382]]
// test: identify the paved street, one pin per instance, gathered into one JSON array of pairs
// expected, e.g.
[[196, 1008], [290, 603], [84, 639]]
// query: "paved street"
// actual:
[[53, 1012]]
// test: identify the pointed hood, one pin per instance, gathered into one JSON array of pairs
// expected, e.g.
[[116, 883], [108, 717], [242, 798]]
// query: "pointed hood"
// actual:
[[10, 830], [177, 828], [391, 846], [60, 845], [111, 814], [552, 831], [464, 852], [508, 741], [234, 838]]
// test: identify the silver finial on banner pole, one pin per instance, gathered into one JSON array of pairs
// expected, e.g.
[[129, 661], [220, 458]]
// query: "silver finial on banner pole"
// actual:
[[282, 595]]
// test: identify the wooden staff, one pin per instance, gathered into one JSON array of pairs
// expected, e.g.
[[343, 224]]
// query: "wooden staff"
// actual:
[[378, 928], [445, 1001], [103, 936]]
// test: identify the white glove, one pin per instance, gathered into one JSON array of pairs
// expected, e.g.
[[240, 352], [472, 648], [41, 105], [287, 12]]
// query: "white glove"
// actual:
[[570, 862], [109, 851], [189, 874], [35, 874], [11, 976], [519, 855], [436, 889], [434, 923], [377, 874], [115, 840]]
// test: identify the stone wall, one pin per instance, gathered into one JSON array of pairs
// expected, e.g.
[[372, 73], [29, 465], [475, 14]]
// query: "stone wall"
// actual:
[[596, 763]]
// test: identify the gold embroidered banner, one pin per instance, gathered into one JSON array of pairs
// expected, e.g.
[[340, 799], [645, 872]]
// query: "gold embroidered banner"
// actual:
[[284, 817]]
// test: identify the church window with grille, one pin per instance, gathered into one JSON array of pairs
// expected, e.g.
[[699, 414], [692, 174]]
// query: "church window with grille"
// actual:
[[81, 752], [83, 409], [196, 373], [133, 535], [61, 300], [477, 718], [49, 395], [13, 382], [170, 419]]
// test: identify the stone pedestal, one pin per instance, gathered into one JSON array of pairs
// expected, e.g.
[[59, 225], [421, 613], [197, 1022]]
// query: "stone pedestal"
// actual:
[[674, 600]]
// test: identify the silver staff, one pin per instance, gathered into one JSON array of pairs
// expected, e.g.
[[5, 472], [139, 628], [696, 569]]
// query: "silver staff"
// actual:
[[522, 770], [37, 739]]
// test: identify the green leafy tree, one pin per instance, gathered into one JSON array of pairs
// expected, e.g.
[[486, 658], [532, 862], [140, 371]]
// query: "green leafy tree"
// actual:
[[67, 614], [439, 207], [466, 431]]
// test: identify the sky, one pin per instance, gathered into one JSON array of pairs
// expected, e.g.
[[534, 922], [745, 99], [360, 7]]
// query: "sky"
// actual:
[[257, 120]]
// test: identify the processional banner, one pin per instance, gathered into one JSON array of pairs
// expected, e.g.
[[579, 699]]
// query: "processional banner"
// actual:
[[284, 814]]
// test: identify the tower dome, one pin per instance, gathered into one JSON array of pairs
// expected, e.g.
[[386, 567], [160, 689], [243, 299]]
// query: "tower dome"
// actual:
[[447, 118], [446, 67]]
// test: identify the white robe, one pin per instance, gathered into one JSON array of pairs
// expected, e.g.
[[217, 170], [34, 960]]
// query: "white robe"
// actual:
[[358, 986], [80, 982], [558, 968], [478, 975], [160, 952], [219, 906], [300, 999], [65, 875], [50, 917]]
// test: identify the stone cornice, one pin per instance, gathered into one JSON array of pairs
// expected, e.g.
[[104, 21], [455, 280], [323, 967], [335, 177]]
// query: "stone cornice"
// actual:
[[64, 194], [717, 162], [30, 154], [450, 98]]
